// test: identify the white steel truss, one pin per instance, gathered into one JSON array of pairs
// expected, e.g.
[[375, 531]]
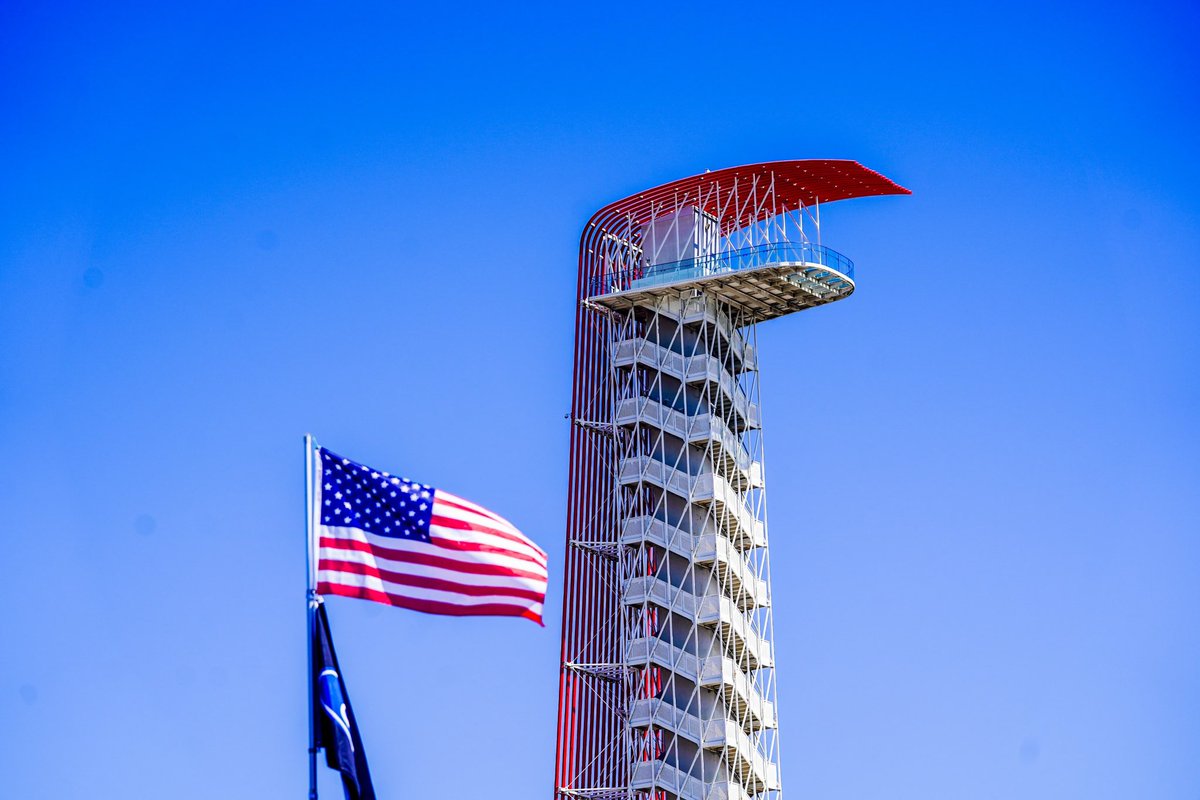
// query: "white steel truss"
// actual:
[[694, 570]]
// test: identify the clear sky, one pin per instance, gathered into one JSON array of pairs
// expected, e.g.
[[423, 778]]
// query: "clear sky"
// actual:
[[225, 226]]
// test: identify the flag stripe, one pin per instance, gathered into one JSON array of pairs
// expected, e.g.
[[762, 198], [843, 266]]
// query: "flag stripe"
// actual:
[[466, 552], [484, 541], [478, 509], [493, 567], [479, 547], [356, 579], [430, 582], [458, 522], [428, 606], [450, 503], [440, 572]]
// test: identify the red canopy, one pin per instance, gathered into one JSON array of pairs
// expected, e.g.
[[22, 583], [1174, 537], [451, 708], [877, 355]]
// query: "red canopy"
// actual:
[[796, 182]]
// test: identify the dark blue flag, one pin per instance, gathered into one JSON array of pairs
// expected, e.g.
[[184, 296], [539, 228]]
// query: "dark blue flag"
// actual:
[[334, 726]]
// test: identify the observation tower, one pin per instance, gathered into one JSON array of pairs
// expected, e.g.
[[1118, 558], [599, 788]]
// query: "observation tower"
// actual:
[[667, 685]]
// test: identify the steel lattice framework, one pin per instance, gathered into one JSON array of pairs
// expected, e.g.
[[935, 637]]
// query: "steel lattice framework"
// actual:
[[667, 686]]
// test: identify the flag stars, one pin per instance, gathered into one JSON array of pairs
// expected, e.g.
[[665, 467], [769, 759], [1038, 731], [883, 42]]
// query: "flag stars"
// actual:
[[377, 502]]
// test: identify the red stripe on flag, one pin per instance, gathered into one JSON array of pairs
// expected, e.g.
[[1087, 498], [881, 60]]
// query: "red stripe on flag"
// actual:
[[428, 560], [475, 547], [429, 606], [469, 507], [463, 525], [426, 582]]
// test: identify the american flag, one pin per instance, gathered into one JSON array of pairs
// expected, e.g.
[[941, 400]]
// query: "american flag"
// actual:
[[403, 543]]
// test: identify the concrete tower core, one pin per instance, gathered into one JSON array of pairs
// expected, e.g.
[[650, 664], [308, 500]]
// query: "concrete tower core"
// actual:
[[667, 684]]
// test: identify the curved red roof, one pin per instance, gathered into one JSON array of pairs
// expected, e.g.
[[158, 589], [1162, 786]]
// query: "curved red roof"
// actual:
[[796, 182]]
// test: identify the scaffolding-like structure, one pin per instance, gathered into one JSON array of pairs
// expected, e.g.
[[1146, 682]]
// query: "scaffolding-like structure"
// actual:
[[667, 687]]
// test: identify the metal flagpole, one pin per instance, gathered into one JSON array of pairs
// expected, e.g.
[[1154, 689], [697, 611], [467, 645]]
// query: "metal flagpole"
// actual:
[[310, 601]]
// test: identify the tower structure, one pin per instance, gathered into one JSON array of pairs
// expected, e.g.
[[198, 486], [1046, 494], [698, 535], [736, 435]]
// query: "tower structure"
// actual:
[[667, 684]]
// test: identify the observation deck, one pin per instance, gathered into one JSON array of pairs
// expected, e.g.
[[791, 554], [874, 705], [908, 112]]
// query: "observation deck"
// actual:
[[766, 280]]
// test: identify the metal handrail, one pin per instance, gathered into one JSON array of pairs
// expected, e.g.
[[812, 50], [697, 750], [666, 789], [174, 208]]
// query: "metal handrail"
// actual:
[[642, 277]]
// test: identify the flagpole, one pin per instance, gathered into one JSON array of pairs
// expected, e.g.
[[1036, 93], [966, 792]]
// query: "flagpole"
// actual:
[[310, 597]]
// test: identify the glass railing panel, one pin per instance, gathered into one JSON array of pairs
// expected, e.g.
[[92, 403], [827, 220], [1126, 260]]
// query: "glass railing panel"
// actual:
[[645, 277]]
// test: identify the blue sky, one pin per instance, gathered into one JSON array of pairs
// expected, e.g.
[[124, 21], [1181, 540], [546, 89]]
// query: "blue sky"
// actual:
[[223, 226]]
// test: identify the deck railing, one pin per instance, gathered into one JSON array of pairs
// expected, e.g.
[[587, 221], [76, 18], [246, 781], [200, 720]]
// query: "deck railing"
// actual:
[[763, 255]]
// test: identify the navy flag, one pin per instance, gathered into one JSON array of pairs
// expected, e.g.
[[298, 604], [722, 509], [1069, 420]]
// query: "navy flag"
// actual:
[[334, 726]]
